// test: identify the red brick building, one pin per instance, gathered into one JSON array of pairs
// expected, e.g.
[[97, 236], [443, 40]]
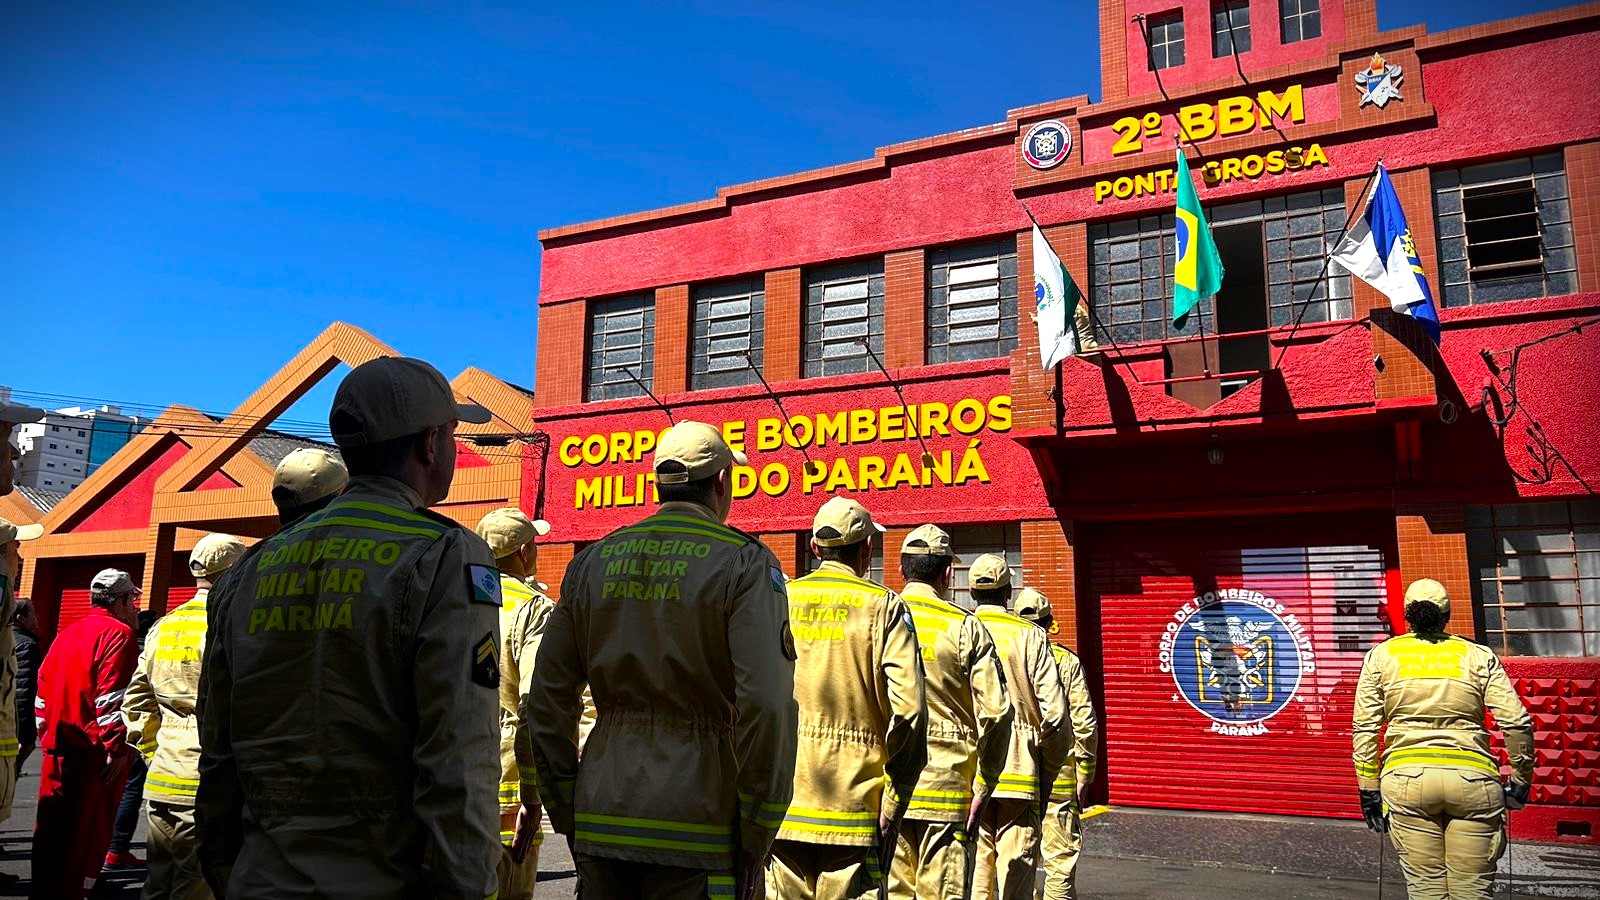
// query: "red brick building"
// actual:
[[1224, 516]]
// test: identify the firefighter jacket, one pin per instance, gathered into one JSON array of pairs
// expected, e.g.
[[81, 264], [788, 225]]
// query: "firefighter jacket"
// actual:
[[1039, 704], [349, 715], [523, 614], [863, 720], [159, 707], [1432, 694], [679, 626], [81, 685], [1077, 759], [969, 712]]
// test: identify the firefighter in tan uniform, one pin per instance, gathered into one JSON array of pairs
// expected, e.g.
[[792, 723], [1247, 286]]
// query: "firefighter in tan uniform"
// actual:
[[969, 728], [679, 624], [1438, 792], [1008, 833], [159, 712], [349, 713], [863, 723], [1061, 838], [11, 538], [524, 611]]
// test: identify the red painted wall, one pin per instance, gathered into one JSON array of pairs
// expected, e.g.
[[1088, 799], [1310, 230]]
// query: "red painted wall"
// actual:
[[1563, 695], [1266, 43], [130, 506]]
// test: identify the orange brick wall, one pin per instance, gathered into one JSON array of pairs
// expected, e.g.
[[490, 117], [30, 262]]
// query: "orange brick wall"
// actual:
[[561, 362], [905, 309], [1031, 387], [1047, 557], [553, 560], [1113, 52], [1583, 172], [672, 339], [892, 540], [1404, 347], [1433, 544], [785, 545], [783, 325]]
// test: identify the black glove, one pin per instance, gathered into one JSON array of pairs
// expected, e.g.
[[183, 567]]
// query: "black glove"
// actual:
[[1517, 795], [1372, 810]]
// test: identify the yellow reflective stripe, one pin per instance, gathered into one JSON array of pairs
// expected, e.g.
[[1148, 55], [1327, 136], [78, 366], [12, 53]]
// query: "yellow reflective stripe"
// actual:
[[1428, 756], [719, 885], [822, 821], [925, 606], [661, 834], [649, 526], [395, 511], [631, 840], [373, 524], [768, 815], [186, 787], [655, 824], [1366, 769], [528, 773], [697, 523]]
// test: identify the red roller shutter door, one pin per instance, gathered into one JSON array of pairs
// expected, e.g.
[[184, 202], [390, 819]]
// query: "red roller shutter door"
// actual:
[[1230, 653], [179, 595], [74, 606]]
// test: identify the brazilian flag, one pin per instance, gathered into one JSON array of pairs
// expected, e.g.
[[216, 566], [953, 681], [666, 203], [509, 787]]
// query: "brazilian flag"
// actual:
[[1197, 273]]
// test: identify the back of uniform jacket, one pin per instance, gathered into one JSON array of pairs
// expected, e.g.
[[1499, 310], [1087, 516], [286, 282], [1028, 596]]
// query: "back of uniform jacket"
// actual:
[[1038, 702]]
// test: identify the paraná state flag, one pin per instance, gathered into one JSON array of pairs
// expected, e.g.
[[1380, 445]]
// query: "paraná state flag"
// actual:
[[1379, 251], [1056, 298], [1197, 272]]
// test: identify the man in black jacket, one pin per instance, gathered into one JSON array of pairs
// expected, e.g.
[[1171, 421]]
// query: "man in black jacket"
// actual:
[[29, 654]]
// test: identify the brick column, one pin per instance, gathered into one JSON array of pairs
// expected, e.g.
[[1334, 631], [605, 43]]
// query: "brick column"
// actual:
[[1583, 167], [1114, 27], [553, 560], [157, 580], [785, 545], [783, 325], [905, 309], [1403, 346], [1031, 386], [562, 361], [672, 339], [1433, 544], [892, 539], [1051, 570]]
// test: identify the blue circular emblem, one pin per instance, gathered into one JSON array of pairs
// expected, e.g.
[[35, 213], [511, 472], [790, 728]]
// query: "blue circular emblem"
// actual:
[[1236, 657], [1046, 144]]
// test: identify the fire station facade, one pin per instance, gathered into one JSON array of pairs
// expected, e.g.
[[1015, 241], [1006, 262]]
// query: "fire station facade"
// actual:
[[1224, 523]]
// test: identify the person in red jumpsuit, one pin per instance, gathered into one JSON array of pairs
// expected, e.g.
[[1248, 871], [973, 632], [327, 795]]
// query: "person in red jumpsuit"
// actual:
[[83, 739]]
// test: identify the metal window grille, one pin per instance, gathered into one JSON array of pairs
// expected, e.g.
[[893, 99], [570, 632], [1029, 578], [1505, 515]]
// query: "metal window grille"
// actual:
[[971, 542], [622, 339], [811, 563], [972, 301], [1301, 19], [1222, 39], [1505, 231], [1300, 229], [1536, 569], [729, 328], [1166, 40], [843, 304]]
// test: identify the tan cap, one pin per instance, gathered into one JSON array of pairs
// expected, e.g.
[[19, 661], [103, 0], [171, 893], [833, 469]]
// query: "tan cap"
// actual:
[[847, 517], [17, 414], [508, 529], [393, 396], [306, 476], [213, 554], [1033, 606], [928, 540], [1426, 590], [10, 532], [988, 572], [699, 448], [112, 581]]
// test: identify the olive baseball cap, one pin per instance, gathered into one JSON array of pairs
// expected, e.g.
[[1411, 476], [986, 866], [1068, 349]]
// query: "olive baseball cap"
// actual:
[[11, 532], [928, 540], [988, 572], [214, 554], [113, 582], [508, 529], [1426, 590], [1033, 606], [391, 397], [848, 519], [699, 448], [306, 476]]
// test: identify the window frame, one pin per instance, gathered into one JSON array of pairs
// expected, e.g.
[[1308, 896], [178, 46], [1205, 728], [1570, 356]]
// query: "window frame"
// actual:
[[1162, 43], [969, 548], [1299, 12], [1493, 533], [702, 297], [608, 309], [815, 361], [1545, 176], [1222, 41], [941, 262]]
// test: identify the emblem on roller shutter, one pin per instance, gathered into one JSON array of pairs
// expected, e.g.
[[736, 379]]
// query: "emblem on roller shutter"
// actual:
[[1238, 657]]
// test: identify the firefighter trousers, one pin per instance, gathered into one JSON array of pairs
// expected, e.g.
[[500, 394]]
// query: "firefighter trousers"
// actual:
[[600, 878], [802, 871], [173, 855], [516, 879], [1061, 840], [1008, 850], [1448, 826], [930, 861], [77, 802]]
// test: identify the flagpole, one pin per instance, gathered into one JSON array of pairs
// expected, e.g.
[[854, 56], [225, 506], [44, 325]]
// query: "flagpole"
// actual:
[[1327, 259], [1200, 307]]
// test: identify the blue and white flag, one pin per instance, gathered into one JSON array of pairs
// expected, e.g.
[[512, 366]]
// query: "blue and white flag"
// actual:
[[1379, 251]]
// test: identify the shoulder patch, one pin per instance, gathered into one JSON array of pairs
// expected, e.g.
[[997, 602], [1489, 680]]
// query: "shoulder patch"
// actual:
[[484, 582], [486, 662], [778, 579], [789, 651]]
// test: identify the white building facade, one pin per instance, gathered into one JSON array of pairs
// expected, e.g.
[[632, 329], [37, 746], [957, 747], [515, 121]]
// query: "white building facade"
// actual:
[[64, 448]]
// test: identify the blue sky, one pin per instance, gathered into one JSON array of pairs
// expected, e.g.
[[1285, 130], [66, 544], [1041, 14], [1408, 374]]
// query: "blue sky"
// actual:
[[189, 193]]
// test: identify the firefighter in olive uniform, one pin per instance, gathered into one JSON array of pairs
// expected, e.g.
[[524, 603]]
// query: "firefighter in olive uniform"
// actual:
[[1438, 792], [349, 714], [863, 723], [1008, 834], [969, 728], [510, 534], [679, 624], [1061, 838], [159, 712]]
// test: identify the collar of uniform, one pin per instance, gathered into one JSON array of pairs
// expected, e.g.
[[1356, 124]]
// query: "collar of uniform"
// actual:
[[684, 508], [921, 591], [386, 488], [833, 565]]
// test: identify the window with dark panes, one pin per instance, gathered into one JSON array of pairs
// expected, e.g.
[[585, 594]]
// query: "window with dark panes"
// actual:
[[972, 301], [971, 542], [622, 346], [1536, 576], [729, 333], [843, 304], [1505, 231], [1226, 13], [1166, 40], [1301, 19], [810, 563]]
